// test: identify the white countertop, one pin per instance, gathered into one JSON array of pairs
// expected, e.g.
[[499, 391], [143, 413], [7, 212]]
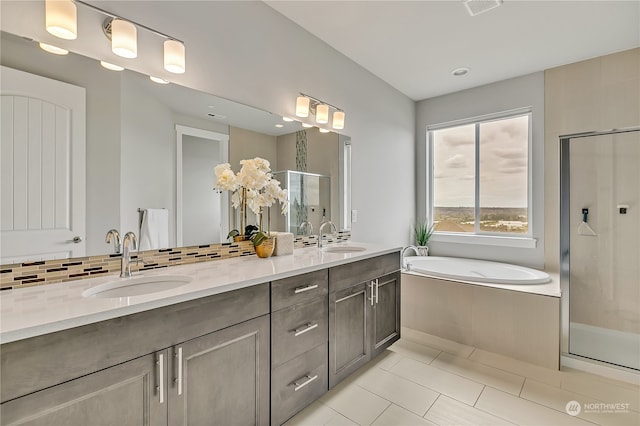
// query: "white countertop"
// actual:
[[39, 310]]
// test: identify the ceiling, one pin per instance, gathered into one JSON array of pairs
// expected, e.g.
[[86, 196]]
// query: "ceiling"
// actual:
[[415, 45]]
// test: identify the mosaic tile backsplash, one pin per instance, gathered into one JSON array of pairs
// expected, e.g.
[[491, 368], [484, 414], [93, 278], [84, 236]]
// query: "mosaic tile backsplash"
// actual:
[[28, 274]]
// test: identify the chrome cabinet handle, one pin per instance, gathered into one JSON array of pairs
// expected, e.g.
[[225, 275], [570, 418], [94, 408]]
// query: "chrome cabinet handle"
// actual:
[[178, 379], [298, 386], [308, 327], [305, 288], [377, 289], [372, 290], [160, 386]]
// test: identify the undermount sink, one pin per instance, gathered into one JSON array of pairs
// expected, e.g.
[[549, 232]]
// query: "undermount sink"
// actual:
[[137, 286], [343, 249]]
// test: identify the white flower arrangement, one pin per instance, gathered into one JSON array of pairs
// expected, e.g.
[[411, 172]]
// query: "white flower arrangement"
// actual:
[[253, 184]]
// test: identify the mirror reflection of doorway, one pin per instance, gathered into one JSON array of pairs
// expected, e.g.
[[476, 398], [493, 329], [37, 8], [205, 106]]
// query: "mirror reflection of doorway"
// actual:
[[201, 212]]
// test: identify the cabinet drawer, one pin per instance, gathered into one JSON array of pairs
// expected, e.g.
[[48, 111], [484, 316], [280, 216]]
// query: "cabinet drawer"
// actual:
[[298, 383], [297, 329], [344, 276], [289, 291]]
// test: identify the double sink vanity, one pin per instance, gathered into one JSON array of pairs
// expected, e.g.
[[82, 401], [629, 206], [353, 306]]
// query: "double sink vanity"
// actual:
[[235, 341]]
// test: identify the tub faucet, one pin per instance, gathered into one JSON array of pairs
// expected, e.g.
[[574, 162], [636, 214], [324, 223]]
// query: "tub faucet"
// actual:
[[125, 264], [115, 235], [402, 262], [332, 227]]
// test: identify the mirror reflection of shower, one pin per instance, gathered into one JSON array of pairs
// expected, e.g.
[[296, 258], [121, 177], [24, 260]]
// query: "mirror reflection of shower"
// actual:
[[600, 227], [309, 201]]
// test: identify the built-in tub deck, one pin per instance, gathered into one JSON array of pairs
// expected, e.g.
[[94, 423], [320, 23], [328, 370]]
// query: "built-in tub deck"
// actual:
[[521, 321]]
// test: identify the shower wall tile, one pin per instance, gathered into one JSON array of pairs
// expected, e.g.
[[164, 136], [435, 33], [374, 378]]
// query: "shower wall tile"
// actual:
[[596, 94]]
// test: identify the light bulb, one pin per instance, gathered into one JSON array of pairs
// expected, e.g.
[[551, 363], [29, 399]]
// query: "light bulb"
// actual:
[[323, 130]]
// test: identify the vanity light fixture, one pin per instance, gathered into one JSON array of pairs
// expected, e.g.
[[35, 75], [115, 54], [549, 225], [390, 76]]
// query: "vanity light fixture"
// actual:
[[122, 32], [158, 80], [302, 106], [322, 114], [321, 110], [110, 66], [174, 56], [338, 120], [124, 38], [53, 49], [61, 18]]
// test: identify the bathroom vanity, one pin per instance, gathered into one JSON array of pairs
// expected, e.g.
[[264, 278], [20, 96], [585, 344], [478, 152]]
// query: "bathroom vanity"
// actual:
[[254, 349]]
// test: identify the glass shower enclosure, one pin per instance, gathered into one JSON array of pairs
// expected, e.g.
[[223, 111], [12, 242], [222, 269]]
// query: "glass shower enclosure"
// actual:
[[600, 246], [309, 201]]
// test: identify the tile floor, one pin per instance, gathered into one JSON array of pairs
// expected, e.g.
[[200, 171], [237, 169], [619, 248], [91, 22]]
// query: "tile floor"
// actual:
[[425, 380]]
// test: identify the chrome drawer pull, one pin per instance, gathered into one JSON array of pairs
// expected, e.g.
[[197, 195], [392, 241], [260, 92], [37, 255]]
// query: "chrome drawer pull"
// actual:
[[304, 329], [299, 386], [305, 288]]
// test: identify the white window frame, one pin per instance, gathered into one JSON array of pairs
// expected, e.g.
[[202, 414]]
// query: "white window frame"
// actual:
[[478, 236]]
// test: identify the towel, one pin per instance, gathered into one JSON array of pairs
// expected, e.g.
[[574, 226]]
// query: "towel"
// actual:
[[284, 243], [154, 230]]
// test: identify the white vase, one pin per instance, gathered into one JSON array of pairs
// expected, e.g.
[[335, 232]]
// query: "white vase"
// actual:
[[423, 250]]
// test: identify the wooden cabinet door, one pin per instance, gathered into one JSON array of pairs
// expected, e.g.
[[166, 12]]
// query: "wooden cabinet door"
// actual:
[[386, 313], [126, 394], [222, 378], [349, 335]]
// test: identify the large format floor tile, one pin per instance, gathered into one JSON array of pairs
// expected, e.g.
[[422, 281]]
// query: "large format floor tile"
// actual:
[[592, 409], [455, 386], [475, 387], [400, 391], [494, 377], [449, 412], [398, 416], [356, 403], [523, 412]]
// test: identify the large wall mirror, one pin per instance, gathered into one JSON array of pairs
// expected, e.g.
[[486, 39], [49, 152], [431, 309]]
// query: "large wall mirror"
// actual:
[[154, 146]]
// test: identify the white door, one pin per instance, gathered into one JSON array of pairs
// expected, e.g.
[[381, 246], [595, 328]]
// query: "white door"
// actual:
[[42, 170]]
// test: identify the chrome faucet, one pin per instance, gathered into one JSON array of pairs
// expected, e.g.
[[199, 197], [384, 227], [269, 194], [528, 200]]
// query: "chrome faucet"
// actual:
[[125, 265], [402, 262], [333, 228], [115, 235], [304, 226]]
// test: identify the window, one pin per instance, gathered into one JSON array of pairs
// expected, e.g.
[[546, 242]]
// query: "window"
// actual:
[[479, 175]]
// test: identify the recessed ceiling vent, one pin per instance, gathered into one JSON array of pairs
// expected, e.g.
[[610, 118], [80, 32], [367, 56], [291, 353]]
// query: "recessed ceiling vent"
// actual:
[[476, 7]]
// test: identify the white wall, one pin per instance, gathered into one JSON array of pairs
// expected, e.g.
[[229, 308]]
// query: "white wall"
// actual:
[[525, 91], [247, 52]]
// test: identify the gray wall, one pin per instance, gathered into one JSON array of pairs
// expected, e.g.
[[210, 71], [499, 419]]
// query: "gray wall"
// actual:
[[200, 203], [247, 52], [525, 91]]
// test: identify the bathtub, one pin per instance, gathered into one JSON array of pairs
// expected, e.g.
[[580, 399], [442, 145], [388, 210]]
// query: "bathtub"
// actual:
[[497, 307], [473, 270]]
